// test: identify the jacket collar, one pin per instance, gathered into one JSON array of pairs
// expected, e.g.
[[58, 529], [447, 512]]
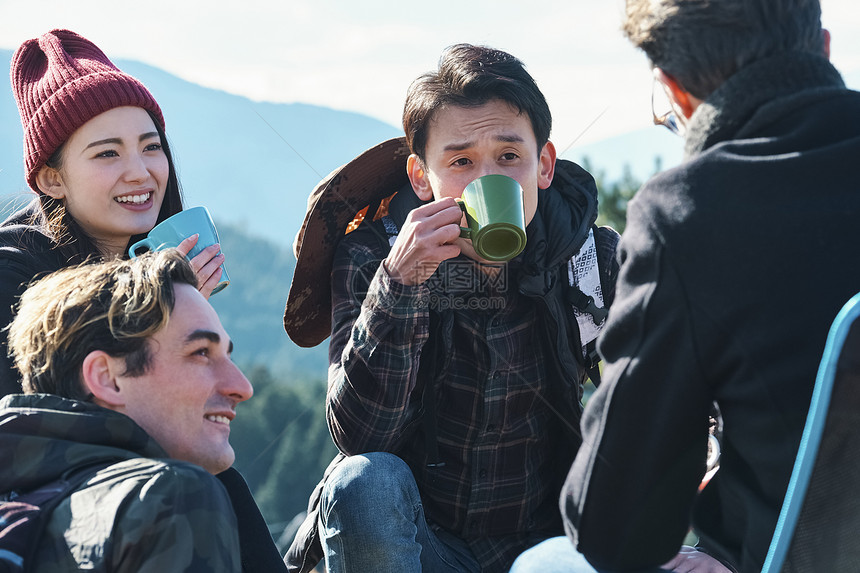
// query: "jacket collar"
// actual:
[[566, 211], [46, 435], [744, 100]]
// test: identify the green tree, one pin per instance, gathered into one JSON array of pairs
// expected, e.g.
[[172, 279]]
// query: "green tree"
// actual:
[[613, 196], [282, 443], [252, 307]]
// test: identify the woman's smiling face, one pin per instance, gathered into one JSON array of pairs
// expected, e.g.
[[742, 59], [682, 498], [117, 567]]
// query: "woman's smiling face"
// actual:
[[112, 178]]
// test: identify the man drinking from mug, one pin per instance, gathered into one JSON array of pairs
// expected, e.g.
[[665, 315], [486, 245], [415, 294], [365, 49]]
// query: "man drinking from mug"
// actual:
[[455, 382]]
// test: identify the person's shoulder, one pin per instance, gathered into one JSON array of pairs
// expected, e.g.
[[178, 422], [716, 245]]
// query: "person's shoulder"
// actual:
[[22, 239], [671, 197], [147, 484], [375, 234], [24, 218], [368, 242], [161, 477], [672, 181], [606, 241], [161, 492], [147, 510]]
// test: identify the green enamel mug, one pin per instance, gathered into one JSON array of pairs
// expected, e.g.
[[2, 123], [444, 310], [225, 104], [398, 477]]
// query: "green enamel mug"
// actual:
[[495, 213]]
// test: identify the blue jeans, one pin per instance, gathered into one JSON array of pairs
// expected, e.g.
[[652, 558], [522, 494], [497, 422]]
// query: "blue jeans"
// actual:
[[556, 555], [371, 519]]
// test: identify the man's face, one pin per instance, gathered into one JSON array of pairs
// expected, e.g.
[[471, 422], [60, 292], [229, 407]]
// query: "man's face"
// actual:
[[464, 143], [187, 397]]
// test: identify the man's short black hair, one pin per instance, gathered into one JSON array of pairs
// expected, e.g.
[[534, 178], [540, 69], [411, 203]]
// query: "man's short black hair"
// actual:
[[470, 76]]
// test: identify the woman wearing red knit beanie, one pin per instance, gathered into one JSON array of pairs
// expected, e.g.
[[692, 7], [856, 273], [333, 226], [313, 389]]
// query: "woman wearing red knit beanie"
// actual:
[[96, 155]]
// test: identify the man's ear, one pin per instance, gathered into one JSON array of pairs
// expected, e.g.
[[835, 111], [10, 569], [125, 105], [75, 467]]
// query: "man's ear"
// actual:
[[826, 34], [98, 375], [546, 167], [418, 177], [684, 101], [50, 182]]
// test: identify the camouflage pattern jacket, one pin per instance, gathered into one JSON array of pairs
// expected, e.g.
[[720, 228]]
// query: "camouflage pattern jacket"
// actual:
[[140, 511]]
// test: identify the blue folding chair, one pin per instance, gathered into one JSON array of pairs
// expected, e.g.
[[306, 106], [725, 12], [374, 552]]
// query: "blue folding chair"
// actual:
[[819, 525]]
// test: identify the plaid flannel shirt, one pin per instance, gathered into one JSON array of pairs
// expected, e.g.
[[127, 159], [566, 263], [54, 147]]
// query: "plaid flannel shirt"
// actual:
[[498, 429]]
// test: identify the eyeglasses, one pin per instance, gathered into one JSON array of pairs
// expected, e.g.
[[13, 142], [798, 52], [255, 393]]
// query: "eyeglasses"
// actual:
[[669, 120]]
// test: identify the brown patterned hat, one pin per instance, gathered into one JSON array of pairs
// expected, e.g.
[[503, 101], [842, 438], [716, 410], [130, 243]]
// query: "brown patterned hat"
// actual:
[[347, 195]]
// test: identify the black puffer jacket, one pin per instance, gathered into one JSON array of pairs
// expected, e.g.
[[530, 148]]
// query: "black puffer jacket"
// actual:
[[25, 253]]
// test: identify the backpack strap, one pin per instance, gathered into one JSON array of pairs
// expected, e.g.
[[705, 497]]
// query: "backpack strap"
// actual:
[[592, 362], [391, 229], [585, 295], [24, 517]]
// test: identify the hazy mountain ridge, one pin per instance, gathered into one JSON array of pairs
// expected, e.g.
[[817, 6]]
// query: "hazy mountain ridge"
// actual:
[[252, 307], [253, 164]]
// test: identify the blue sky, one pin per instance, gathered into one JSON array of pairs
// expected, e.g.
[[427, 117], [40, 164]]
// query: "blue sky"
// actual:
[[361, 56]]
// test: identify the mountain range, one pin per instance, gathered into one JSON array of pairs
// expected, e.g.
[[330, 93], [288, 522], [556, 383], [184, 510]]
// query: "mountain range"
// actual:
[[253, 164]]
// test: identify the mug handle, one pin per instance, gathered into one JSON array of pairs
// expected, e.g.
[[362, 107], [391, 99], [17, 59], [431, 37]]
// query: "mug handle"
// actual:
[[144, 242], [465, 232]]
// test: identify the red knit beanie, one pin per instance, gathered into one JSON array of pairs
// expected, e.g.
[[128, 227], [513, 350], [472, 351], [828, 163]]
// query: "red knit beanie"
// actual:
[[61, 81]]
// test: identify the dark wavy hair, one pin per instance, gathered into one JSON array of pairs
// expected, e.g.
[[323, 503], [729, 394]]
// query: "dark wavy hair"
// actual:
[[470, 76]]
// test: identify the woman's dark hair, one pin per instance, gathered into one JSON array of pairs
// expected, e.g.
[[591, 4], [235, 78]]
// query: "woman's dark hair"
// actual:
[[72, 242]]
